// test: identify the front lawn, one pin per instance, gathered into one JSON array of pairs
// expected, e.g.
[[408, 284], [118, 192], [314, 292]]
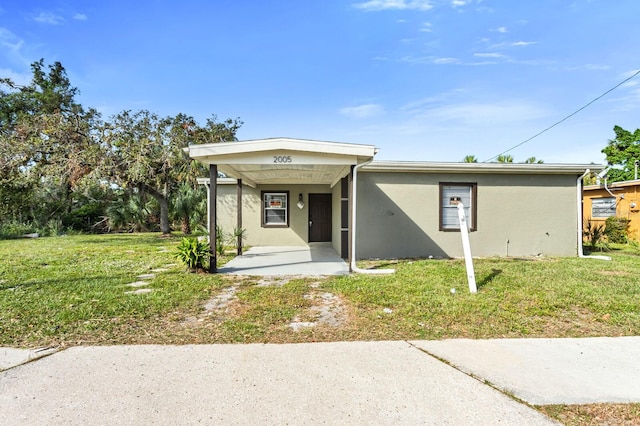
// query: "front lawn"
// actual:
[[74, 290]]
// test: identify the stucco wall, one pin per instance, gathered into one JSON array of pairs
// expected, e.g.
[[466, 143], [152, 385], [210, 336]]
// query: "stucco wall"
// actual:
[[517, 215], [626, 197], [298, 231]]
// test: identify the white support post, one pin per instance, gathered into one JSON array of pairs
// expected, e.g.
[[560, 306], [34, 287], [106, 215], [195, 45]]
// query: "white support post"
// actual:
[[466, 247]]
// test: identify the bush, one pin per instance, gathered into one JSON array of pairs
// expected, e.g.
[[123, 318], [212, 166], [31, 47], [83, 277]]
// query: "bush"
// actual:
[[193, 253], [14, 229], [594, 235], [616, 229]]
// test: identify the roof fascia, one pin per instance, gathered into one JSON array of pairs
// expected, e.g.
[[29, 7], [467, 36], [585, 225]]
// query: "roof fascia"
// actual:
[[496, 168]]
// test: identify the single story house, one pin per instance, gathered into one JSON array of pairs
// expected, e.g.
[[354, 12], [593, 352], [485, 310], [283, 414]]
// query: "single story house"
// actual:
[[621, 199], [288, 192]]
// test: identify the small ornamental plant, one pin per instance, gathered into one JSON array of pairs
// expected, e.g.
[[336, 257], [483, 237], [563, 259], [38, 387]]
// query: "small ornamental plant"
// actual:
[[193, 253]]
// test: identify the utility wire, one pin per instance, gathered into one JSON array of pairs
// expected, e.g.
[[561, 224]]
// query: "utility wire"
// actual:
[[566, 118]]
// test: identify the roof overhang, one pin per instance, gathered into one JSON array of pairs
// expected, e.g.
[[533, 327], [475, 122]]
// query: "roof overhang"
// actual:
[[283, 160], [473, 168]]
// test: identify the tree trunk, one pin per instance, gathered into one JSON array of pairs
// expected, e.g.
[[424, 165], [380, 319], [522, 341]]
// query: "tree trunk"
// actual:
[[186, 225], [163, 201], [164, 215]]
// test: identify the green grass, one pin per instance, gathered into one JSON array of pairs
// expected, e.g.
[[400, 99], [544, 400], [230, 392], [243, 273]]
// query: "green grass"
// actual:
[[72, 290], [516, 298], [67, 289]]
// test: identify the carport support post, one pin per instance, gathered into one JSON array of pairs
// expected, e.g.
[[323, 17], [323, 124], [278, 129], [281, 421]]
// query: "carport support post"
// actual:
[[239, 226], [350, 236], [213, 195]]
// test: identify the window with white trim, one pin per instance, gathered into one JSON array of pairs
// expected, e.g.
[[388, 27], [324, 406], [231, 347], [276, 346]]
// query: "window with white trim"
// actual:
[[452, 194], [603, 207], [275, 209]]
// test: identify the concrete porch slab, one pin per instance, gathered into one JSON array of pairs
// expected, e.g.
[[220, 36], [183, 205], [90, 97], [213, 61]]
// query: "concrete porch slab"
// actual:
[[317, 259]]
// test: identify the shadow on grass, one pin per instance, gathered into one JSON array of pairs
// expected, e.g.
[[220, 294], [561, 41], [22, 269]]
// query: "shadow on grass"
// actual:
[[486, 280]]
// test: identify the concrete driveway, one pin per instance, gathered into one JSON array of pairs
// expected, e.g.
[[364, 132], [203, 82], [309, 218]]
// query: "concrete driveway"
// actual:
[[317, 259]]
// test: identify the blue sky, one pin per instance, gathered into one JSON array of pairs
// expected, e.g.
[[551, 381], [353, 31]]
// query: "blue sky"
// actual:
[[424, 80]]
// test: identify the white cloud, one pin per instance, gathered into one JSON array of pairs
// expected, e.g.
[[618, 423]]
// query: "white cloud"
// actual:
[[426, 28], [508, 44], [80, 17], [9, 40], [48, 18], [484, 114], [362, 111], [446, 61], [489, 55], [459, 3], [17, 78], [628, 74], [523, 43], [376, 5], [500, 30]]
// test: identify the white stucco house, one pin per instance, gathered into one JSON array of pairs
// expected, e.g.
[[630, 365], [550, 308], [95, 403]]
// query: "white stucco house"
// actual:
[[296, 192]]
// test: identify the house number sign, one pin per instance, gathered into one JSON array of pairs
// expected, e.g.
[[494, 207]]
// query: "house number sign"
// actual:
[[282, 159]]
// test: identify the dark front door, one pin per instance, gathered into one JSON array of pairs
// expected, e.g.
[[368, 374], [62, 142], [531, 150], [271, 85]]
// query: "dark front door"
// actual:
[[319, 217]]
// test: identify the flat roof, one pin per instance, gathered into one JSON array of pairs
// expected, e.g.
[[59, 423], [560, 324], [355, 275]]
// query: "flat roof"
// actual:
[[495, 168], [620, 184]]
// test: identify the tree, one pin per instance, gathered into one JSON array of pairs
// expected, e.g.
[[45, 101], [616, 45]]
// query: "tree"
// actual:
[[533, 160], [470, 159], [188, 204], [623, 151], [504, 159], [144, 152], [47, 144]]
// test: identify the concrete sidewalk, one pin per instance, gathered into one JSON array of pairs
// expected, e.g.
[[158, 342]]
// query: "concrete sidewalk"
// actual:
[[313, 383], [320, 383], [550, 371]]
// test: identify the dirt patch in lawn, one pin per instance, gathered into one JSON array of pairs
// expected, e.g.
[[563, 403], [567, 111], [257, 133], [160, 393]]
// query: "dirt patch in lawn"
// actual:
[[324, 308], [594, 414]]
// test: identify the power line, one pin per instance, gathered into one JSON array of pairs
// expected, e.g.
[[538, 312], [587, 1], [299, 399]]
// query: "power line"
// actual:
[[566, 118]]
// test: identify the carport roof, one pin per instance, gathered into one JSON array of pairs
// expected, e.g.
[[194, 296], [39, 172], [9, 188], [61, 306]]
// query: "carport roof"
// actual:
[[283, 160]]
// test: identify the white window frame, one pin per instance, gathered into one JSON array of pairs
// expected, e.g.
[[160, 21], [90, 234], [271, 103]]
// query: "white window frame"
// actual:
[[467, 191], [270, 201]]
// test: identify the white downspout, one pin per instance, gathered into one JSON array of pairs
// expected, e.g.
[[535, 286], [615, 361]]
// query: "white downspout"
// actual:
[[579, 205], [355, 268]]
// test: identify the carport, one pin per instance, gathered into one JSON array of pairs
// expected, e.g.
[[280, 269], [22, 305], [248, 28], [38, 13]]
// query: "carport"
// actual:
[[261, 165]]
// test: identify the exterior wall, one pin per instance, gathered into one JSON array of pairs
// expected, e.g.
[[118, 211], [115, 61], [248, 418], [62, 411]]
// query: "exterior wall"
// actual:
[[297, 234], [625, 196], [517, 215]]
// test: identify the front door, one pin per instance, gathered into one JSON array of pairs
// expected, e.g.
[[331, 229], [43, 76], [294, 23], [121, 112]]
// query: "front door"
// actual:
[[319, 217]]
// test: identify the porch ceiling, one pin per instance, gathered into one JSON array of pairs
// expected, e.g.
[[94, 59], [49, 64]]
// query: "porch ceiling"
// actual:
[[283, 160], [282, 174]]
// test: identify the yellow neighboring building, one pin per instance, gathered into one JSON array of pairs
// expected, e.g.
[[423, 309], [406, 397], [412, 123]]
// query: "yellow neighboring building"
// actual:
[[621, 199]]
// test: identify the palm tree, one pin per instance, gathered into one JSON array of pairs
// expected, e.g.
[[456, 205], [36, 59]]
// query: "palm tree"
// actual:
[[505, 159], [533, 160], [188, 204], [470, 159]]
